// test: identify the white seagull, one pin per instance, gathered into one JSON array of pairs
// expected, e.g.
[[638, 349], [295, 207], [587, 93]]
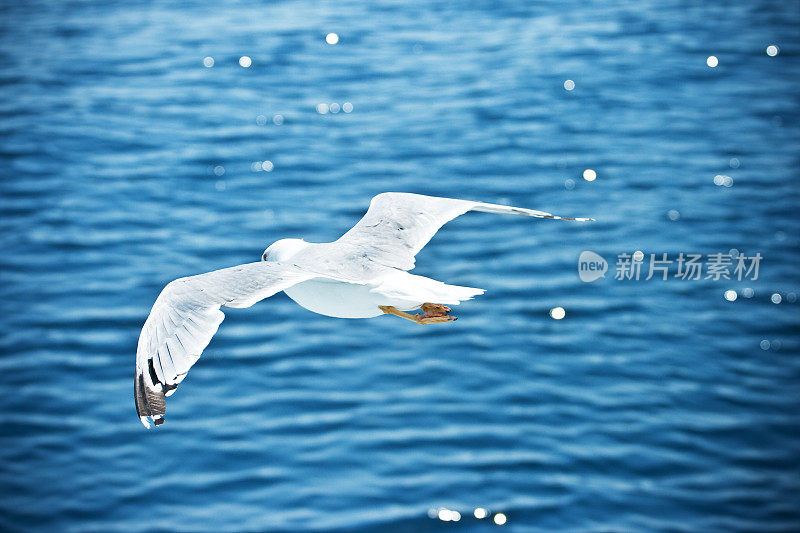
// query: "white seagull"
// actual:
[[363, 274]]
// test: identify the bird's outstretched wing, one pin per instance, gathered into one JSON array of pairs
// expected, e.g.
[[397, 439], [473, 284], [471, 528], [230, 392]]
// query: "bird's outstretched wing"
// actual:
[[398, 225], [185, 317]]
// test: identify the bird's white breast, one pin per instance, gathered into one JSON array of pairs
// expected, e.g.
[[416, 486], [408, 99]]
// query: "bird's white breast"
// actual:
[[337, 299]]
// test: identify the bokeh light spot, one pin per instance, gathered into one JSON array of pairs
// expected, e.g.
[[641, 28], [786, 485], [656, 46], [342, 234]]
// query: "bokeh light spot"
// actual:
[[712, 61], [723, 180], [500, 519], [332, 38], [446, 515], [208, 62], [589, 174], [245, 61], [557, 313], [772, 50], [569, 85], [731, 295]]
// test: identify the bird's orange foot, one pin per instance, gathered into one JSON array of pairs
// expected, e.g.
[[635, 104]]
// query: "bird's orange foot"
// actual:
[[431, 314], [434, 314]]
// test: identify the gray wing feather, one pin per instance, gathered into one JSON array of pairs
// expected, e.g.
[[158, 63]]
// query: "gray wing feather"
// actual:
[[398, 225], [185, 317]]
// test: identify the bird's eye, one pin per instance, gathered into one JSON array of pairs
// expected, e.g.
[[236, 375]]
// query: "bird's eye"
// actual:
[[264, 256]]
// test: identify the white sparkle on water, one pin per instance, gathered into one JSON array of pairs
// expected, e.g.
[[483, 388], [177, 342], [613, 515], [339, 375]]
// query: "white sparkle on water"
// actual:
[[734, 162], [245, 61], [446, 515], [322, 109], [208, 62], [267, 166], [638, 255], [332, 38], [673, 214], [335, 108], [277, 120], [772, 50], [712, 61], [569, 184], [589, 174], [500, 519], [347, 107], [557, 313], [764, 344], [219, 170], [569, 85], [261, 120], [776, 298], [481, 513], [747, 292], [731, 295], [723, 180]]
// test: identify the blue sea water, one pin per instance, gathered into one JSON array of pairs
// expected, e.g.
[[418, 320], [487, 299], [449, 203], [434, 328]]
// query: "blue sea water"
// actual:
[[652, 406]]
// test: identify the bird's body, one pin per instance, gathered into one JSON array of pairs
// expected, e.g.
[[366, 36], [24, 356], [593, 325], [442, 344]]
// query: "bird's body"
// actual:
[[398, 289], [363, 274]]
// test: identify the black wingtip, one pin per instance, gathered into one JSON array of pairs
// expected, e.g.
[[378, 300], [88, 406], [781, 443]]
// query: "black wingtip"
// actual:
[[138, 395], [149, 402], [576, 219]]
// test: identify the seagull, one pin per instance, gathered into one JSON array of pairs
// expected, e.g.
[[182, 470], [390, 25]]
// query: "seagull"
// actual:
[[363, 274]]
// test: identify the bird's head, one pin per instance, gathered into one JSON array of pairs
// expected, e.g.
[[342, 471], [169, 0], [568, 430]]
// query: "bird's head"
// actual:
[[283, 250]]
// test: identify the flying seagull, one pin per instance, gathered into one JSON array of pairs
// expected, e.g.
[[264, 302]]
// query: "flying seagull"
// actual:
[[363, 274]]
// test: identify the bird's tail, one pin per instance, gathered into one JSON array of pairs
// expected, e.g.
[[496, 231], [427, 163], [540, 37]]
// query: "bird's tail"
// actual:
[[413, 288]]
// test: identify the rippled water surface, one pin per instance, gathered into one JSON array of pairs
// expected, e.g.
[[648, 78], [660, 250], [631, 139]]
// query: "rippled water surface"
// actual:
[[652, 406]]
